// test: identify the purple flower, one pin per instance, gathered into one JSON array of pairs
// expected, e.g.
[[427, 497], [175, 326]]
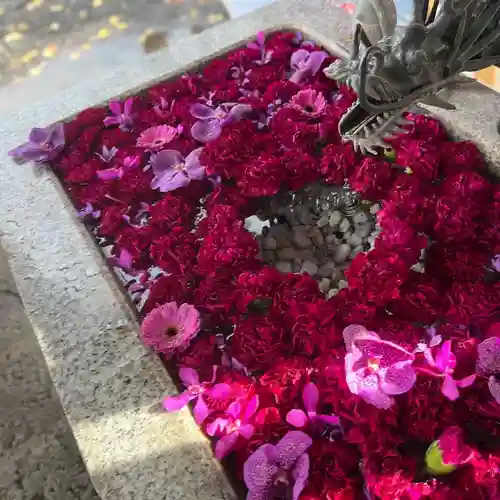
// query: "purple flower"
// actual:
[[376, 369], [488, 362], [121, 117], [44, 144], [260, 45], [234, 424], [211, 121], [196, 390], [124, 260], [306, 64], [278, 471], [131, 162], [110, 174], [107, 154], [444, 363], [310, 398], [171, 170], [89, 212], [495, 263]]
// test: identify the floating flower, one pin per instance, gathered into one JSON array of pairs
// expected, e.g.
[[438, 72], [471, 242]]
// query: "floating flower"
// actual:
[[196, 390], [306, 64], [169, 329], [488, 362], [121, 116], [235, 423], [107, 154], [309, 102], [376, 369], [260, 45], [171, 170], [495, 263], [89, 212], [44, 144], [444, 363], [278, 471], [110, 174], [155, 138], [448, 452], [310, 398], [211, 121]]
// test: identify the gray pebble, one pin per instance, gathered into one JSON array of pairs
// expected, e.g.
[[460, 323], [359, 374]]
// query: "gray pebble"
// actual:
[[300, 240], [418, 267], [347, 235], [316, 237], [309, 268], [324, 285], [337, 275], [343, 284], [344, 226], [291, 217], [284, 267], [322, 221], [341, 253], [357, 250], [364, 230], [332, 293], [321, 252], [269, 256], [330, 239], [360, 218], [354, 240], [305, 254], [287, 254], [335, 219], [304, 214], [375, 208], [296, 265], [269, 243], [326, 269]]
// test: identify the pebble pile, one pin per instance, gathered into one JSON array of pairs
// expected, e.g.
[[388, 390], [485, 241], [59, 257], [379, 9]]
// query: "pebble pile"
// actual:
[[316, 231]]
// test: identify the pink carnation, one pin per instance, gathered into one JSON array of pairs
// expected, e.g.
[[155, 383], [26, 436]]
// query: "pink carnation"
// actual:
[[169, 329]]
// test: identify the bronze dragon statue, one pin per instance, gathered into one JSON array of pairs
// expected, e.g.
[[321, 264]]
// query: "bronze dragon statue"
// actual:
[[395, 66]]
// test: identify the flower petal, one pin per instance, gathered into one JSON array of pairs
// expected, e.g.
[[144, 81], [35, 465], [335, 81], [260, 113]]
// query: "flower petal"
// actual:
[[488, 353], [175, 403], [206, 131], [225, 445], [200, 410], [237, 113], [125, 259], [300, 474], [332, 420], [299, 56], [189, 376], [166, 160], [445, 359], [251, 408], [259, 470], [449, 388], [310, 396], [467, 381], [202, 111], [165, 183], [315, 61], [494, 387], [115, 107], [398, 379], [217, 427], [388, 353], [220, 391], [297, 418], [234, 409], [110, 174], [353, 332], [290, 448], [247, 430], [127, 107]]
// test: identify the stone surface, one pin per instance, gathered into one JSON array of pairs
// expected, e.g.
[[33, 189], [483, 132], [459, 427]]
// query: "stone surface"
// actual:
[[74, 306]]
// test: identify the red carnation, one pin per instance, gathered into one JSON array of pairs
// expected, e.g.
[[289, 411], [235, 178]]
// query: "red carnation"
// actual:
[[460, 156], [168, 288], [338, 162], [261, 176], [372, 178], [175, 252]]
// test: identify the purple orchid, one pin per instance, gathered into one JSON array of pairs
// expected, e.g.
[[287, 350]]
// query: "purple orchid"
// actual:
[[121, 116], [131, 162], [376, 369], [310, 398], [444, 362], [235, 423], [434, 340], [123, 261], [495, 263], [107, 154], [211, 121], [110, 174], [278, 471], [306, 64], [171, 170], [196, 390], [488, 363], [44, 144], [88, 212], [260, 45]]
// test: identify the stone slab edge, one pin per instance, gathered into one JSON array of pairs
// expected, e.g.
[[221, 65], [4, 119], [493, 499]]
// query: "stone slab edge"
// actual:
[[110, 386]]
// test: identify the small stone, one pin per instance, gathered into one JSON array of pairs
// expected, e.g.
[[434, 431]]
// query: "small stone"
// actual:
[[284, 267], [300, 240], [269, 256], [287, 254], [316, 237], [309, 268], [296, 265], [364, 230], [326, 269], [357, 250], [304, 214], [321, 252], [335, 219], [347, 235], [343, 284], [322, 221], [354, 240], [324, 284], [344, 226], [326, 230], [375, 208], [337, 275], [341, 253], [360, 218], [291, 217], [330, 239], [269, 243], [332, 293], [305, 254]]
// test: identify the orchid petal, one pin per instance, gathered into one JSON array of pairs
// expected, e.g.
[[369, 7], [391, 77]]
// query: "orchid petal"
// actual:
[[353, 332], [435, 341], [247, 430], [115, 107], [206, 131], [494, 387], [225, 445], [189, 376], [449, 388], [127, 107], [251, 408], [299, 56], [467, 381], [196, 173], [445, 359], [200, 411], [310, 396], [175, 403], [125, 259], [259, 471], [110, 174], [387, 352], [261, 38], [220, 391], [398, 379], [315, 60], [165, 160], [111, 120], [167, 182], [237, 112], [217, 427], [39, 135], [300, 474], [234, 409], [202, 111], [290, 448], [297, 418], [332, 420]]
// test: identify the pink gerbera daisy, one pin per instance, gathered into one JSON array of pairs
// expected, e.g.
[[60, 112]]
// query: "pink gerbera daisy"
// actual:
[[169, 329], [155, 138]]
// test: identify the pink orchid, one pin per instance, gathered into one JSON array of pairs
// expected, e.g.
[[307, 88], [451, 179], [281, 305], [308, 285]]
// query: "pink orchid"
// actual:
[[44, 144], [278, 471], [196, 390], [488, 363], [310, 398], [444, 363], [376, 369], [260, 45], [235, 423], [306, 64], [121, 116]]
